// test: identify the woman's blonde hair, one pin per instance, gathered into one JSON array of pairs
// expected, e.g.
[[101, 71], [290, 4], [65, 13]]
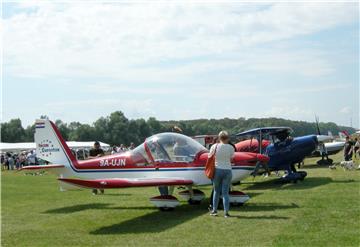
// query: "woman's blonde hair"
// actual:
[[223, 135]]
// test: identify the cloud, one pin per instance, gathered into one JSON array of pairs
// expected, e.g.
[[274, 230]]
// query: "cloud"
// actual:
[[154, 41], [289, 112], [345, 110], [143, 108]]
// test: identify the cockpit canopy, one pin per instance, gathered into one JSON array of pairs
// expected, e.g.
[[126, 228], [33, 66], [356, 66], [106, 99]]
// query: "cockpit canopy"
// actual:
[[169, 147]]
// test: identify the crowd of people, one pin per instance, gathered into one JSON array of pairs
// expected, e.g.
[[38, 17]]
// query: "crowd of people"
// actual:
[[122, 148], [15, 161]]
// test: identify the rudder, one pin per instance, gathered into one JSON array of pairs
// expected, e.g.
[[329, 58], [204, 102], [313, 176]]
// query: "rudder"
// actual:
[[50, 145]]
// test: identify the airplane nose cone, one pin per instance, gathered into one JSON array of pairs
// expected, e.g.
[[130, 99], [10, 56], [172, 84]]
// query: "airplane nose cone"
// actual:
[[262, 158], [317, 139]]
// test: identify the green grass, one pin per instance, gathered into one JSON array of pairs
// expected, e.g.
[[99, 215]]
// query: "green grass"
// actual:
[[323, 210]]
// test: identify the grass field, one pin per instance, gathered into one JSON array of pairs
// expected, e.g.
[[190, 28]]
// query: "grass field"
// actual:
[[323, 210]]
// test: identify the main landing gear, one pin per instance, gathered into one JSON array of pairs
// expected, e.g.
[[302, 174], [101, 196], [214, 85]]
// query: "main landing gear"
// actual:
[[293, 177], [167, 202]]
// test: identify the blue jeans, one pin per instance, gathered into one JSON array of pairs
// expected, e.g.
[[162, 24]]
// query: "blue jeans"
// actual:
[[221, 183]]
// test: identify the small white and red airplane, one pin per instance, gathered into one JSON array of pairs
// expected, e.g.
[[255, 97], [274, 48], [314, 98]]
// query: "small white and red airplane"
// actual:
[[163, 160]]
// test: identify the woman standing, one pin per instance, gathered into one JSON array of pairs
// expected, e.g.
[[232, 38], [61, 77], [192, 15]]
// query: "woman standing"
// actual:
[[223, 174]]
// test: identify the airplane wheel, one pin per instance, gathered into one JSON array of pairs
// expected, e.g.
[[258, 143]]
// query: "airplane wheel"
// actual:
[[194, 202], [302, 175], [166, 209]]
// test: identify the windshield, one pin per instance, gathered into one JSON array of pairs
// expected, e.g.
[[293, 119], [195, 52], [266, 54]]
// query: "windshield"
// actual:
[[173, 147]]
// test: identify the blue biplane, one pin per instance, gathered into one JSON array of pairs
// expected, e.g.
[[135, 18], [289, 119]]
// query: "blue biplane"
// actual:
[[284, 151]]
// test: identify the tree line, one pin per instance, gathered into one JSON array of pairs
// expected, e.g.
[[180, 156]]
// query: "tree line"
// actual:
[[116, 129]]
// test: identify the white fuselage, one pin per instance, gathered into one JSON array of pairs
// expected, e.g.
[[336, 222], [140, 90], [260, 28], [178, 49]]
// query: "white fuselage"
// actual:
[[195, 174]]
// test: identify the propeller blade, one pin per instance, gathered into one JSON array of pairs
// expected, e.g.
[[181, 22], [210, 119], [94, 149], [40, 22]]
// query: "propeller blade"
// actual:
[[317, 125]]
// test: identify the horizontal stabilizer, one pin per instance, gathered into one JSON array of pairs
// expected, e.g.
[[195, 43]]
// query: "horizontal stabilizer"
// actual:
[[112, 183]]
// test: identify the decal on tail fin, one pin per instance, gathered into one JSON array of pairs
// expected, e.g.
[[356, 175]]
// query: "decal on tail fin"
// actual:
[[50, 145]]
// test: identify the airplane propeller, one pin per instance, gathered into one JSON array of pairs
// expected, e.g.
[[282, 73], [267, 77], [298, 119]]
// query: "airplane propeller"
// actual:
[[317, 125]]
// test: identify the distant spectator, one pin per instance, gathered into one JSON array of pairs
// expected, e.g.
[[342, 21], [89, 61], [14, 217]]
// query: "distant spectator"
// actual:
[[347, 149], [6, 162], [22, 160], [95, 153], [2, 161], [17, 161], [122, 148], [356, 147], [177, 129], [114, 150], [31, 158], [11, 161], [132, 146], [215, 140]]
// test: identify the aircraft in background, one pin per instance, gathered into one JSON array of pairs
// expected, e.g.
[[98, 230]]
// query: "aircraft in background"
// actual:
[[164, 160], [283, 150], [327, 146]]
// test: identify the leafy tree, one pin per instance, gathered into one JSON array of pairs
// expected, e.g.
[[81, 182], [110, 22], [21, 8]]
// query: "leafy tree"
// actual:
[[116, 129], [12, 131]]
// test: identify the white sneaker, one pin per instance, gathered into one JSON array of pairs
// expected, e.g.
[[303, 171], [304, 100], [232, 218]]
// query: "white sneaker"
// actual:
[[213, 214]]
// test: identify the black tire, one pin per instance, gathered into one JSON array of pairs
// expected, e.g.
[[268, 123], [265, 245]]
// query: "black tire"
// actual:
[[166, 209], [193, 202], [303, 174], [237, 204]]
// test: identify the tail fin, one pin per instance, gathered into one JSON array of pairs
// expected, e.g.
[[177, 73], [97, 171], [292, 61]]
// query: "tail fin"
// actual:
[[50, 145], [342, 135]]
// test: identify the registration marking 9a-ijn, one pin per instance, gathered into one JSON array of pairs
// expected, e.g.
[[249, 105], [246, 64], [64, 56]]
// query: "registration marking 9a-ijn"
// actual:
[[113, 162]]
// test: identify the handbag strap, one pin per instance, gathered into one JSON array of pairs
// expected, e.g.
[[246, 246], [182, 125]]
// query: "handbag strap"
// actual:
[[214, 154]]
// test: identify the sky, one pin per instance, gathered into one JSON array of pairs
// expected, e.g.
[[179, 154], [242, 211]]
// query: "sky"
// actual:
[[177, 60]]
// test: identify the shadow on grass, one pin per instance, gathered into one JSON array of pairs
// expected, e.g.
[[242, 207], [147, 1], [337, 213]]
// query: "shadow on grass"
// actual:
[[257, 207], [308, 183], [82, 207], [158, 221], [267, 217], [317, 166], [115, 194], [77, 208], [153, 222]]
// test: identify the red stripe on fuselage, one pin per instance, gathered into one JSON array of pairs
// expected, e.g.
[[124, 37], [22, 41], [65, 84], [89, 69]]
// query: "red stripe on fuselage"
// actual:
[[125, 161]]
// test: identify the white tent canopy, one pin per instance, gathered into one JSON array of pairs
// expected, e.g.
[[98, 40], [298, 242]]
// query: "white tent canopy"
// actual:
[[25, 146]]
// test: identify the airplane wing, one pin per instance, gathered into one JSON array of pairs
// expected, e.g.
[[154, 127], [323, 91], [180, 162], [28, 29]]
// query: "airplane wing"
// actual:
[[263, 131], [112, 183], [44, 167]]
